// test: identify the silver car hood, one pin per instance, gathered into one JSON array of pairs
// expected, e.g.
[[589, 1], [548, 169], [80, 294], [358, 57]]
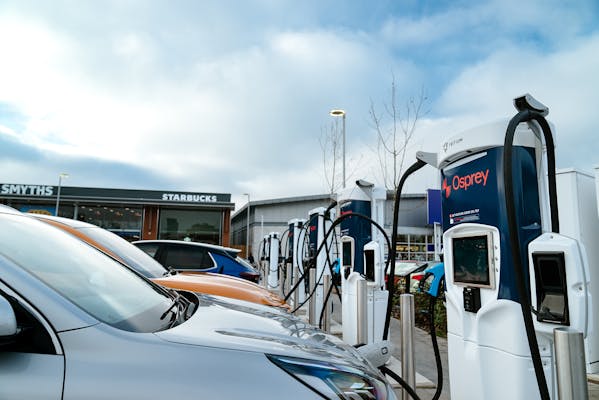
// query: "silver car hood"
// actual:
[[239, 325]]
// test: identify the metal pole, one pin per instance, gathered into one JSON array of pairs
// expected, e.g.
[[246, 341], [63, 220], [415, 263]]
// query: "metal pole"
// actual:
[[60, 176], [296, 293], [312, 300], [326, 318], [408, 370], [570, 364], [362, 311], [337, 113], [247, 229], [58, 195], [284, 286], [343, 150]]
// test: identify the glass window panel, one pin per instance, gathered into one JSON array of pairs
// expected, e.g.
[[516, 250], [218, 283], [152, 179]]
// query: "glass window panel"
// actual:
[[124, 221], [190, 225], [188, 257]]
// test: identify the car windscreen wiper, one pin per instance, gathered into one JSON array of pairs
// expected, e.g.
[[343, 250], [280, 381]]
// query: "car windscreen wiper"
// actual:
[[174, 304], [170, 271], [180, 307]]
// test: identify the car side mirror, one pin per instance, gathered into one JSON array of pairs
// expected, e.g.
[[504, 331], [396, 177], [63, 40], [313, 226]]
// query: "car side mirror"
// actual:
[[8, 320]]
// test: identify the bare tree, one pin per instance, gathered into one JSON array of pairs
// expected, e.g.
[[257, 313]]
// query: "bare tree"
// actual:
[[330, 143], [394, 137]]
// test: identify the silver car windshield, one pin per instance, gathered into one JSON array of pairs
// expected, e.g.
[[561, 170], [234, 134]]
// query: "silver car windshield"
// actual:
[[93, 281]]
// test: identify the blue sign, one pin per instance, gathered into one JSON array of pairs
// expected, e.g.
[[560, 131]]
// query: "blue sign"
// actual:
[[433, 209], [38, 209]]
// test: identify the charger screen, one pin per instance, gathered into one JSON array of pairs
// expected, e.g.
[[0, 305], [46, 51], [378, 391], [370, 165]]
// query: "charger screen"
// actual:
[[471, 261], [347, 254]]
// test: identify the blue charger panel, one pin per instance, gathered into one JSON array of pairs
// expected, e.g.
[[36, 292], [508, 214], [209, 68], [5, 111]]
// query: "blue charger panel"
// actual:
[[357, 228], [474, 192]]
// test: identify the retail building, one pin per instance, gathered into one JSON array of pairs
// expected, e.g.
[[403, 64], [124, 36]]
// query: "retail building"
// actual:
[[416, 232], [133, 214]]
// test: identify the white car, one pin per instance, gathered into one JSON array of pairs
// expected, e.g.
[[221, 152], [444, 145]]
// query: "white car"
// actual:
[[73, 326]]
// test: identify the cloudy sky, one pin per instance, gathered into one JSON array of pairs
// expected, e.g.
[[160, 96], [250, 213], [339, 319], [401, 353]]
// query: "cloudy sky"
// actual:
[[234, 96]]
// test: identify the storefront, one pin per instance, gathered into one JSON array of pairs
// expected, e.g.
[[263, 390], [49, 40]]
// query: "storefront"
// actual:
[[133, 214]]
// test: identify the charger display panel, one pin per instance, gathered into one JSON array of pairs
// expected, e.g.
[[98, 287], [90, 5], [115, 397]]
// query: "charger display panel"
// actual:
[[472, 260], [348, 253]]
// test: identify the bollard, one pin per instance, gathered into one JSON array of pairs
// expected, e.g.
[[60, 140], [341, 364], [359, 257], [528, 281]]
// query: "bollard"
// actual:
[[284, 287], [296, 293], [264, 274], [362, 311], [326, 318], [312, 301], [408, 370], [570, 364]]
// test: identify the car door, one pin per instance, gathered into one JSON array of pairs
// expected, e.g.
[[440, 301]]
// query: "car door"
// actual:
[[32, 363], [187, 258]]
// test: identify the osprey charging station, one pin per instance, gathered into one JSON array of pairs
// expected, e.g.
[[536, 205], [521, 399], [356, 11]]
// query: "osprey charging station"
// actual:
[[364, 297], [296, 237], [270, 259], [319, 222], [512, 276]]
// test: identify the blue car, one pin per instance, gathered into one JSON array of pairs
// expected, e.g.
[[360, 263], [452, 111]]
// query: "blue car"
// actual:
[[199, 257]]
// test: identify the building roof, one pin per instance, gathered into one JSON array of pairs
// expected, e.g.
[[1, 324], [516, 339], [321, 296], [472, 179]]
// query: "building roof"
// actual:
[[103, 195], [315, 197]]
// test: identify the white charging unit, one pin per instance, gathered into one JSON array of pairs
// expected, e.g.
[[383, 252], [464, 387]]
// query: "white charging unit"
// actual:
[[488, 351], [362, 260]]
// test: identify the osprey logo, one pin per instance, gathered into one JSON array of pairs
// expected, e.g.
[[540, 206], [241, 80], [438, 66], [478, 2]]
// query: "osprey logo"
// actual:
[[464, 182], [447, 188]]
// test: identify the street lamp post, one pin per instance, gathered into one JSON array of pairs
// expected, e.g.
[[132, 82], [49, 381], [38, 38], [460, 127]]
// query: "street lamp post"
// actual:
[[60, 176], [247, 230], [341, 113]]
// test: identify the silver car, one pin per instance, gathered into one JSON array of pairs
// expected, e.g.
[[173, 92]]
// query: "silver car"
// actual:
[[72, 326]]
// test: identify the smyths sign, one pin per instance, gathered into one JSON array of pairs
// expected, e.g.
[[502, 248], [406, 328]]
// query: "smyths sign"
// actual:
[[26, 190]]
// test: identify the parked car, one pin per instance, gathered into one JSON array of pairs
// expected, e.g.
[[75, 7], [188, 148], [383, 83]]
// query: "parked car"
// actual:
[[199, 257], [406, 277], [76, 325], [202, 282]]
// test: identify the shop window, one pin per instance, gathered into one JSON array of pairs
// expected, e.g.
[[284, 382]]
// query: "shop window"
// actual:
[[124, 221], [190, 225]]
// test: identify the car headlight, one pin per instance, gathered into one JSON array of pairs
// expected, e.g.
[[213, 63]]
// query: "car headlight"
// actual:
[[333, 381]]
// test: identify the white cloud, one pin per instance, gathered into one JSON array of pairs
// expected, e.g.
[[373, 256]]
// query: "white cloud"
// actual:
[[245, 108], [565, 81], [238, 105], [487, 26]]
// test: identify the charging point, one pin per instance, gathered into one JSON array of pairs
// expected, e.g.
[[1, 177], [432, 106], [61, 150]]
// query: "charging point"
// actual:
[[362, 264], [319, 222], [511, 278], [296, 256], [273, 260]]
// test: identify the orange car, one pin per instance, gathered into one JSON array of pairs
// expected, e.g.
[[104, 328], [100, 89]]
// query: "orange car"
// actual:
[[136, 259]]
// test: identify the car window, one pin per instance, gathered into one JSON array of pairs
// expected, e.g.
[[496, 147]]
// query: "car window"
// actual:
[[149, 248], [187, 257], [88, 278]]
